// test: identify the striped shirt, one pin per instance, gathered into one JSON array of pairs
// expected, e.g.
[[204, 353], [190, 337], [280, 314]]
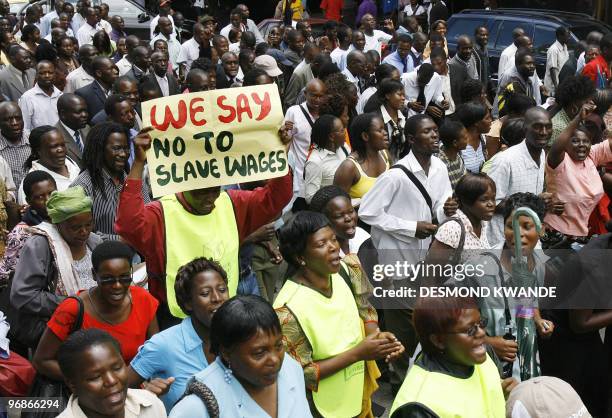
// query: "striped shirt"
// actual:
[[16, 155], [456, 169], [105, 207]]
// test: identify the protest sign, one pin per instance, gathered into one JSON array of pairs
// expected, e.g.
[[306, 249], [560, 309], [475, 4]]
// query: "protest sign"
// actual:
[[214, 138]]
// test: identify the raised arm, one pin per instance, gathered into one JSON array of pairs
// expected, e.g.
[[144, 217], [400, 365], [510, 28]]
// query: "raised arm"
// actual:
[[135, 222], [557, 151]]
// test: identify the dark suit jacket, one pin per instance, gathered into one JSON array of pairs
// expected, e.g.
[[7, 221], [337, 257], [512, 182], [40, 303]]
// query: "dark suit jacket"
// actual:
[[173, 85], [94, 96], [222, 81], [72, 149], [458, 74], [11, 86]]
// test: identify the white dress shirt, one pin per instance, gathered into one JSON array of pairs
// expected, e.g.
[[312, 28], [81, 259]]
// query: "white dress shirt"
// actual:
[[419, 10], [506, 59], [364, 97], [433, 90], [298, 151], [163, 85], [235, 48], [394, 205], [86, 33], [174, 48], [513, 171], [77, 79], [124, 66], [77, 22], [62, 182], [556, 57], [104, 24], [226, 30], [350, 77], [401, 121], [154, 24], [190, 51], [252, 27], [338, 57], [45, 22], [39, 109], [375, 41], [580, 63], [319, 171], [446, 91]]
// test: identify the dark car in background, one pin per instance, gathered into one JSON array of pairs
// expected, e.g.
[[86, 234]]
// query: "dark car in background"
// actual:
[[539, 25], [315, 23], [136, 18]]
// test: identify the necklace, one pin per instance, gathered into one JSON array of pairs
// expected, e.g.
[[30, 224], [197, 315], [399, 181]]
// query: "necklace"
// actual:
[[93, 305]]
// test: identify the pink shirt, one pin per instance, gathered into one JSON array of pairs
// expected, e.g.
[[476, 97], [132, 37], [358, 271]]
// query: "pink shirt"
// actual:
[[577, 184]]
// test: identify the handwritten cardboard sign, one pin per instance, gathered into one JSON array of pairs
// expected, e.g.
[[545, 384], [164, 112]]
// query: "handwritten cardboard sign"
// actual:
[[214, 138]]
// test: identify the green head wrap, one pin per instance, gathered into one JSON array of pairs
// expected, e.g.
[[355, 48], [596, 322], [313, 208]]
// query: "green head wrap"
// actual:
[[68, 203]]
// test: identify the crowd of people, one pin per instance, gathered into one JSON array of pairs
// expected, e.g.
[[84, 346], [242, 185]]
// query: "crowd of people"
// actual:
[[257, 299]]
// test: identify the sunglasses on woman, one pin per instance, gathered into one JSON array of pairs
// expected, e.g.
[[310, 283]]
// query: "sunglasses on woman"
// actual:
[[112, 280], [471, 331]]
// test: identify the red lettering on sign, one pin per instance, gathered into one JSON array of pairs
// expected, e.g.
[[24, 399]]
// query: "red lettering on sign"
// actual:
[[232, 112], [177, 123], [265, 105], [242, 106], [194, 110]]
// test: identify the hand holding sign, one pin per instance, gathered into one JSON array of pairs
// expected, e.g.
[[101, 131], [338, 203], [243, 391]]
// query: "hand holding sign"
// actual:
[[215, 138], [142, 143]]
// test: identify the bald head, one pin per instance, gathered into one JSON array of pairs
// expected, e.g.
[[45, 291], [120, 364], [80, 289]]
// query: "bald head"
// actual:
[[315, 95], [524, 42], [72, 111], [465, 47], [517, 33], [538, 128], [356, 63], [594, 37]]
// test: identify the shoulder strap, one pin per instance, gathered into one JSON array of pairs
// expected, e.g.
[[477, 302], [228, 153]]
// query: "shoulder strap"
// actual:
[[456, 257], [78, 324], [307, 116], [419, 186], [345, 275], [195, 387]]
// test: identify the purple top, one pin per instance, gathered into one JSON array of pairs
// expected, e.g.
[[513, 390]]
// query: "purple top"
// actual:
[[115, 35], [366, 7]]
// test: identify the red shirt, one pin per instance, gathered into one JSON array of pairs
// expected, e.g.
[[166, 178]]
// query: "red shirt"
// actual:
[[131, 333], [143, 226], [591, 69], [332, 9]]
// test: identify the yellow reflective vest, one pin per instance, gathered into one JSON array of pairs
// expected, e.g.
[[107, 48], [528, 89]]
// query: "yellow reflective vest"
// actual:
[[190, 236], [332, 326], [480, 395]]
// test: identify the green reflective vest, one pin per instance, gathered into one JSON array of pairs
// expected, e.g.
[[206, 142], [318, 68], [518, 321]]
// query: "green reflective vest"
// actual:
[[478, 396], [332, 326], [190, 236]]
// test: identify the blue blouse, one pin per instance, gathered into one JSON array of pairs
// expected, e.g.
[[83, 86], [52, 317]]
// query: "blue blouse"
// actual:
[[175, 352], [235, 402]]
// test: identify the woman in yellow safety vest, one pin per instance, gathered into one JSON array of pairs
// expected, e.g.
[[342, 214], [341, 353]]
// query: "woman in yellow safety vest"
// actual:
[[323, 322], [453, 376]]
